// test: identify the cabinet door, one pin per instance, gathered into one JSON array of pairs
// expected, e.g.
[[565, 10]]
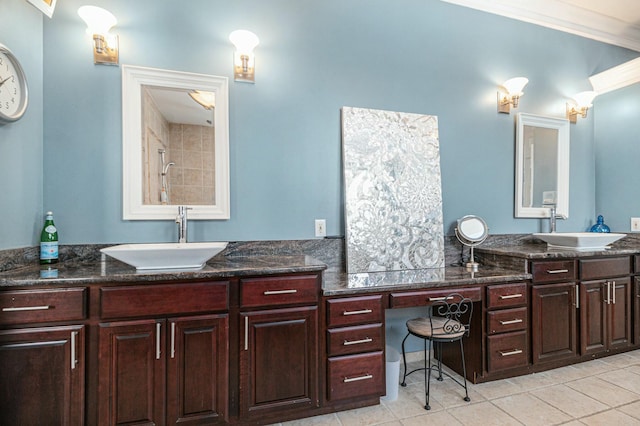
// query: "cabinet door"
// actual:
[[620, 313], [197, 372], [131, 370], [593, 317], [278, 361], [553, 322], [42, 376], [637, 307]]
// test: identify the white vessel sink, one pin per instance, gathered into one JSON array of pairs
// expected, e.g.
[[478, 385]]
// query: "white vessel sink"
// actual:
[[579, 240], [165, 255]]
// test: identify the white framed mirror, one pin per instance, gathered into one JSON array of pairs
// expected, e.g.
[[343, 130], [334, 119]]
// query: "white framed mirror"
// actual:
[[542, 166], [175, 144]]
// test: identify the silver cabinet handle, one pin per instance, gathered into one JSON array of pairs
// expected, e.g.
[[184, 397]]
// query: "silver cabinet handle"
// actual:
[[74, 361], [577, 296], [557, 271], [512, 352], [357, 342], [272, 292], [363, 311], [613, 290], [513, 321], [246, 333], [510, 296], [355, 379], [438, 299], [27, 308], [158, 353], [608, 293], [173, 340]]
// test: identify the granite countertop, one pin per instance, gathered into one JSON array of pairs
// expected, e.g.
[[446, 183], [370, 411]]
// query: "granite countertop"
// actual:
[[628, 245], [82, 272], [341, 283]]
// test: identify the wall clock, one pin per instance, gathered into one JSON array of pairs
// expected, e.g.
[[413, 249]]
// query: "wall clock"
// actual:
[[13, 87]]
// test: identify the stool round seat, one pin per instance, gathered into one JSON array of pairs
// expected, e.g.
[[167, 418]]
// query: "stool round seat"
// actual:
[[436, 328]]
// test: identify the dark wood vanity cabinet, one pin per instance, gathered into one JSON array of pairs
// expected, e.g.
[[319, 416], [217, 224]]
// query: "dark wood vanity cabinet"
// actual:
[[605, 304], [554, 330], [355, 348], [507, 326], [42, 356], [278, 346], [161, 368]]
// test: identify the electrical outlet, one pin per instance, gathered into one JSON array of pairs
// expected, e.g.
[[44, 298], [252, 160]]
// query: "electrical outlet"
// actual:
[[635, 224], [321, 228]]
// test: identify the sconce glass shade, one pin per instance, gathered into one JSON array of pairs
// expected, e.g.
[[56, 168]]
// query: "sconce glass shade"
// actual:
[[515, 85], [243, 58], [585, 99], [244, 41], [206, 99], [98, 20]]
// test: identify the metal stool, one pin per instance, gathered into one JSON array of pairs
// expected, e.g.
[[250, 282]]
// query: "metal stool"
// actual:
[[448, 321]]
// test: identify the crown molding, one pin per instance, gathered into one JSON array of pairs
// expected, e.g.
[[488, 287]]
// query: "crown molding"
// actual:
[[563, 17], [617, 77]]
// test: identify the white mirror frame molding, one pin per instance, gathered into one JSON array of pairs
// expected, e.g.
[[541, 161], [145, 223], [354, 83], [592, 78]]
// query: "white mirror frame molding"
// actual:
[[563, 152], [133, 78]]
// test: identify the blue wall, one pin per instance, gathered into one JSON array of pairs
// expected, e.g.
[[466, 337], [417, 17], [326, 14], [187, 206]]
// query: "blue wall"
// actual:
[[617, 136], [21, 142], [421, 56]]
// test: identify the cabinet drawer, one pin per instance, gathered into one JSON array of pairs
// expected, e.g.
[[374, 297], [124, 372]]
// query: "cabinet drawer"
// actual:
[[428, 297], [46, 305], [506, 295], [354, 310], [507, 351], [593, 269], [270, 291], [553, 271], [352, 376], [163, 299], [353, 340], [507, 320]]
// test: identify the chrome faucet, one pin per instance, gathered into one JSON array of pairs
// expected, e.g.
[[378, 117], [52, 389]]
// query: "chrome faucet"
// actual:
[[552, 217], [181, 220]]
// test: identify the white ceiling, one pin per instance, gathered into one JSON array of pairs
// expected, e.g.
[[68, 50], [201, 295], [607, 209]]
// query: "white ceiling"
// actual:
[[615, 22], [176, 106]]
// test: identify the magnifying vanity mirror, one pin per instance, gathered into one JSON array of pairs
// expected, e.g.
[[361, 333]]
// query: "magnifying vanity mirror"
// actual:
[[471, 231], [542, 166], [175, 144]]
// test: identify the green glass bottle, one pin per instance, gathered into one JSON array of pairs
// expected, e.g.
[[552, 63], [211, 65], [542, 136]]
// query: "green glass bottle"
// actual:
[[49, 241]]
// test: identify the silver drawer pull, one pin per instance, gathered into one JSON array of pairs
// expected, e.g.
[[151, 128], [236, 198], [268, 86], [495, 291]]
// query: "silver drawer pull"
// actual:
[[437, 299], [513, 321], [27, 308], [357, 342], [355, 379], [271, 292], [558, 271], [513, 352], [510, 296], [364, 311], [74, 361]]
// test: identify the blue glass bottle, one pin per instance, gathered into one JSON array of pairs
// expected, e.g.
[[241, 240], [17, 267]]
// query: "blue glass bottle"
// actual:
[[600, 226]]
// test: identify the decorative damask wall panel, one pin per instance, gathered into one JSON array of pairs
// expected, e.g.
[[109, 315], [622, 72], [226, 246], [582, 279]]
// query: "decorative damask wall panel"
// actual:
[[393, 196]]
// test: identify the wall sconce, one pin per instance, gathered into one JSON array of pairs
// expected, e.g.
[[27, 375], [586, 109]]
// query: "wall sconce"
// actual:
[[510, 92], [580, 105], [99, 22], [243, 58]]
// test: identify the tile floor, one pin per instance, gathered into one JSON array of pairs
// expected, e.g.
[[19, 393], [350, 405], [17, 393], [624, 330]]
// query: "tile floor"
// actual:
[[598, 392]]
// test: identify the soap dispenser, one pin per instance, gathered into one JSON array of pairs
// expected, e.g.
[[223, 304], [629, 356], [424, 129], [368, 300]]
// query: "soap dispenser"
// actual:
[[600, 226]]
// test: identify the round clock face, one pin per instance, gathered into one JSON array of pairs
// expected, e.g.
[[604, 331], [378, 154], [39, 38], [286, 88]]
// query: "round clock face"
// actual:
[[13, 87]]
